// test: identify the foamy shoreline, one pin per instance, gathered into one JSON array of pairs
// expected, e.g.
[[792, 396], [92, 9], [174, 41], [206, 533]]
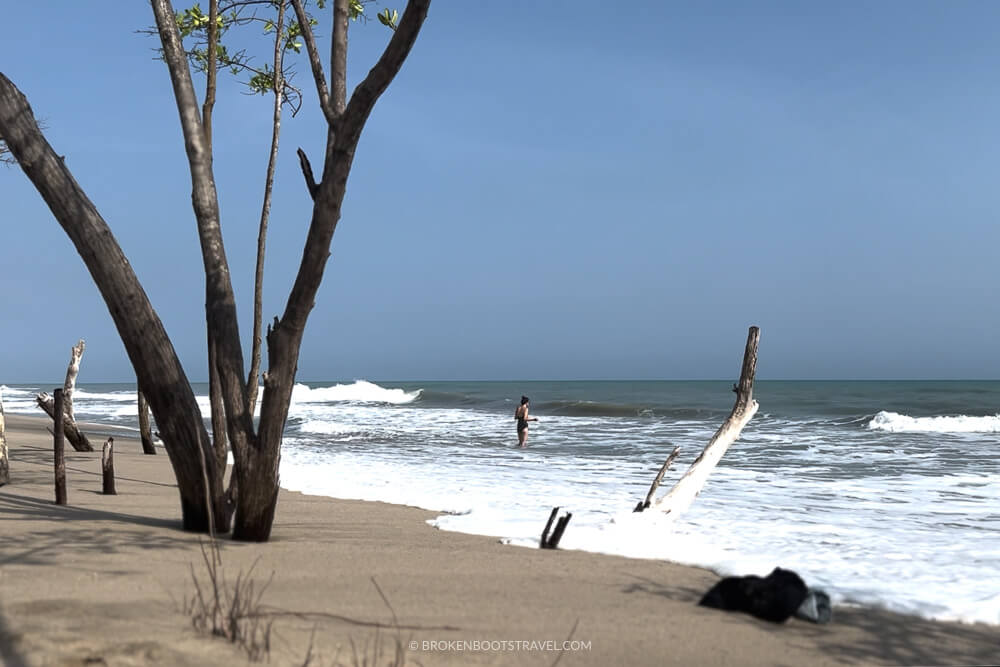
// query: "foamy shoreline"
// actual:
[[96, 578]]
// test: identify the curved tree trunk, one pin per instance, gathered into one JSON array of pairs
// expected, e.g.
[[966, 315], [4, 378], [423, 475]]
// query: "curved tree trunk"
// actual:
[[153, 357]]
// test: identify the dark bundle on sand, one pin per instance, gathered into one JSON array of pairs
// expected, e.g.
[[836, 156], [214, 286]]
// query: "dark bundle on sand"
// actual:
[[773, 598]]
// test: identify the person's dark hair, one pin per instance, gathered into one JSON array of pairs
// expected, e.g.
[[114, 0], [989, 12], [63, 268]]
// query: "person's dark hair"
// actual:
[[524, 399]]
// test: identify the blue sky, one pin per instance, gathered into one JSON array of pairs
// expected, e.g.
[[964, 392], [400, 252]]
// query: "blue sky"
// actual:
[[553, 190]]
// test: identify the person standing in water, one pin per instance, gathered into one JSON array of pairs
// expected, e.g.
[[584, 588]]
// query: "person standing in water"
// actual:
[[521, 415]]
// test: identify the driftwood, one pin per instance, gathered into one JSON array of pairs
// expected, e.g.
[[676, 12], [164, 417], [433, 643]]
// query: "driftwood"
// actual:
[[680, 497], [643, 505], [4, 461], [551, 542], [58, 447], [75, 436], [144, 431], [108, 468], [69, 385]]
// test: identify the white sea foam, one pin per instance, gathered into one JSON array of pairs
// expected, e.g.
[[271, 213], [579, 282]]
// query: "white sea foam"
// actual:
[[897, 423], [360, 391]]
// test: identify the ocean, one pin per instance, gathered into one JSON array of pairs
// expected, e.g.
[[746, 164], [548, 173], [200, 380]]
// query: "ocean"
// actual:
[[881, 493]]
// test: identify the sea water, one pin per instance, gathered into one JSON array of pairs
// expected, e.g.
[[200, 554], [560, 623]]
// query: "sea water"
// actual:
[[881, 493]]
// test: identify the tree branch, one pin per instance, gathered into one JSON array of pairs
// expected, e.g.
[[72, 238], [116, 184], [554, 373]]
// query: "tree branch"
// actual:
[[314, 62], [307, 171], [381, 75], [220, 303], [338, 57]]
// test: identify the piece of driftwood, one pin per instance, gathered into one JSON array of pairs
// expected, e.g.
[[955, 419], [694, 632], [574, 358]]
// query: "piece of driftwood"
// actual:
[[4, 460], [680, 497], [58, 447], [69, 385], [75, 436], [644, 504], [552, 541], [108, 467], [145, 434]]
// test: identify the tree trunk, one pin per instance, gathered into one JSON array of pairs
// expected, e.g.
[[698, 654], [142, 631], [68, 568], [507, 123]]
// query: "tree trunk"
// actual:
[[145, 433], [108, 468], [4, 460], [58, 450], [153, 357], [689, 486]]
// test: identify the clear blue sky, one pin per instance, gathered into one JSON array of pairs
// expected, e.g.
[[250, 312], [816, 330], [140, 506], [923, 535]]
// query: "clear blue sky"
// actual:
[[554, 190]]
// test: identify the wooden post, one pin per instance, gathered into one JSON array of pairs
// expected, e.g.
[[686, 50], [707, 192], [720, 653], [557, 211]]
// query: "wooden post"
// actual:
[[552, 542], [144, 431], [108, 467], [4, 461], [58, 447], [656, 482], [689, 486]]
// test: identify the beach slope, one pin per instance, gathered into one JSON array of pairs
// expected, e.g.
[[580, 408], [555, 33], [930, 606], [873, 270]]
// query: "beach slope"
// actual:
[[104, 579]]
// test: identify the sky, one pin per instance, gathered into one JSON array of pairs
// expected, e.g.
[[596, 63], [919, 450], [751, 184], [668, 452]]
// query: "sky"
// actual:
[[550, 190]]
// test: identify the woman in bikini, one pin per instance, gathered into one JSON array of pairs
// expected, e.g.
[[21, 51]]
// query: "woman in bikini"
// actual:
[[521, 415]]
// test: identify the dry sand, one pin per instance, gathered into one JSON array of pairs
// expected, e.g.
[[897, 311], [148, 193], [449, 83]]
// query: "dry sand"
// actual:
[[101, 581]]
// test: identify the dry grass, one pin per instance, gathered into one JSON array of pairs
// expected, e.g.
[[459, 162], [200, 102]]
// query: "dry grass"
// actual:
[[231, 612]]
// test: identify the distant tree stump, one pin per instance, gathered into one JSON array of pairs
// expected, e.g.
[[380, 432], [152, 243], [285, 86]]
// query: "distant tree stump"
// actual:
[[108, 467], [4, 461], [145, 434]]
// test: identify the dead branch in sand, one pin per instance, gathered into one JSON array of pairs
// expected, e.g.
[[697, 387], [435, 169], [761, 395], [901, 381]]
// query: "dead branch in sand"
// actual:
[[687, 488]]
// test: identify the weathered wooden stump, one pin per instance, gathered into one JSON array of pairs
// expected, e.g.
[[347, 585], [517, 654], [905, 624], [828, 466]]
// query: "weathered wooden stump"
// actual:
[[4, 461], [551, 542], [58, 447], [108, 467], [145, 434]]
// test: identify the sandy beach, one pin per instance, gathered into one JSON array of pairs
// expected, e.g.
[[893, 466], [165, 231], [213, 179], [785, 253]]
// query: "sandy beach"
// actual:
[[102, 582]]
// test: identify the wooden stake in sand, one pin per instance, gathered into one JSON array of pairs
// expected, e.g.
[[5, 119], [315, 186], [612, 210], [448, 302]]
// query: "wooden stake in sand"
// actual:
[[551, 542], [108, 467], [144, 431], [4, 462], [689, 486], [76, 437], [58, 447]]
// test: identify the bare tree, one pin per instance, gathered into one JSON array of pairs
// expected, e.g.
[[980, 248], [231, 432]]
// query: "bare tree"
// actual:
[[158, 370]]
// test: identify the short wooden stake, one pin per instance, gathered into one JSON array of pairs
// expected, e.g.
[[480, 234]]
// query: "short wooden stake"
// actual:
[[59, 448], [551, 542], [108, 467], [4, 462]]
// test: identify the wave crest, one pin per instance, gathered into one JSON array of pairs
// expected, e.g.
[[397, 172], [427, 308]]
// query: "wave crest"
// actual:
[[894, 422], [360, 391]]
